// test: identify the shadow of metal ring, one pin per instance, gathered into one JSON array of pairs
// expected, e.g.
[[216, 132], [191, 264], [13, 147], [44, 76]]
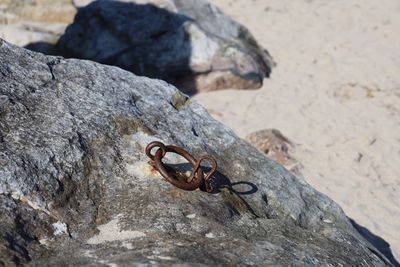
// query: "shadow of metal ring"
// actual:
[[253, 188]]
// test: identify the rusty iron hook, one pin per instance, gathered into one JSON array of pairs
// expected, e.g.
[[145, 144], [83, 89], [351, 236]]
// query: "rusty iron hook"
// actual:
[[195, 180]]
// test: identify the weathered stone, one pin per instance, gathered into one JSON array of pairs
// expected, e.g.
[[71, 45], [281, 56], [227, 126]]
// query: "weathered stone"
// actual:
[[76, 188], [276, 146], [190, 43]]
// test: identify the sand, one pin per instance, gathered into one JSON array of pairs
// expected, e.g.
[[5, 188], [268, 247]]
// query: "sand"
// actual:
[[111, 231], [335, 93]]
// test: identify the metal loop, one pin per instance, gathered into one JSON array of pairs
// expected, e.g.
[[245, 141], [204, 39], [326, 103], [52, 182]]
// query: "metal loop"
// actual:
[[153, 145], [195, 180], [214, 167], [176, 178]]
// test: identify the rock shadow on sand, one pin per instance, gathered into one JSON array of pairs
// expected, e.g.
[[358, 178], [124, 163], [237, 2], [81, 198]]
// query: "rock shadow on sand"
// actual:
[[378, 242]]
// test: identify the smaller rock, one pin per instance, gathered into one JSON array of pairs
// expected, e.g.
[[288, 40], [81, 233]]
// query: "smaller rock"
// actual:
[[111, 231], [276, 146]]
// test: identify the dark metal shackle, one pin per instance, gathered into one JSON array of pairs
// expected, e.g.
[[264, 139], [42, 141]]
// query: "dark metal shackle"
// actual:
[[195, 180]]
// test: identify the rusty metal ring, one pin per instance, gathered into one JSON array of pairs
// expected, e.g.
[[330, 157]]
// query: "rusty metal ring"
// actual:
[[176, 178], [153, 145], [195, 180], [214, 167]]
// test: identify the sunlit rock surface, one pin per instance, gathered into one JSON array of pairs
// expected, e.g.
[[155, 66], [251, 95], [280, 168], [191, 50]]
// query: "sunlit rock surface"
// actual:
[[76, 188]]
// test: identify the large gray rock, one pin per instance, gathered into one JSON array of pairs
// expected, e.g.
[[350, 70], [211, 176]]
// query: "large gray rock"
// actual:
[[76, 187], [189, 43]]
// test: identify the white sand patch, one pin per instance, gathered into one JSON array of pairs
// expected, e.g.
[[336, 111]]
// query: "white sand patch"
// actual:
[[44, 241], [60, 228], [167, 258], [210, 235], [153, 257], [191, 216], [111, 232], [127, 245]]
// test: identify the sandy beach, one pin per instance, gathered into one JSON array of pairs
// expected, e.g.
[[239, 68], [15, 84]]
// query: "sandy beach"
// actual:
[[335, 93]]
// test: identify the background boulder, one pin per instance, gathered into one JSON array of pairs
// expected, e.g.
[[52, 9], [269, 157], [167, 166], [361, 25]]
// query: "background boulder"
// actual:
[[76, 187], [191, 44]]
